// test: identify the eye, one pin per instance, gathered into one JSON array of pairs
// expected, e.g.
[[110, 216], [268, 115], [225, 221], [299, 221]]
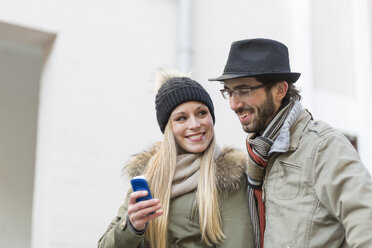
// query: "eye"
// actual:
[[243, 91], [180, 118], [226, 92], [203, 112]]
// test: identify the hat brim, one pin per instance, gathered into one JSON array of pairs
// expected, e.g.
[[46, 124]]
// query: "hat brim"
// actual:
[[289, 77]]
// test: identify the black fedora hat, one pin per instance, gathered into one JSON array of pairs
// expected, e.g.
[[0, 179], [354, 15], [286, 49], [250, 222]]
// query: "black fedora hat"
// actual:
[[256, 57]]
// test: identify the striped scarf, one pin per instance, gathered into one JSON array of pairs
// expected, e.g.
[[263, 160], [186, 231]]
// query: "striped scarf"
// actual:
[[258, 149]]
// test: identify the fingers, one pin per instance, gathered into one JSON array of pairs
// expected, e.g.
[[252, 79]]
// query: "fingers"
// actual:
[[137, 194], [144, 208], [140, 213], [150, 216], [140, 218]]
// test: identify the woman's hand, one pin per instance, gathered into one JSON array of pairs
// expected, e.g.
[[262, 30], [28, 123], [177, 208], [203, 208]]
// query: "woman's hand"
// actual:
[[139, 212]]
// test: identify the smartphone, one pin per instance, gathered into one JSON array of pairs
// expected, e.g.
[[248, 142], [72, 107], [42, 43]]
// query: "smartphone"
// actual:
[[140, 183]]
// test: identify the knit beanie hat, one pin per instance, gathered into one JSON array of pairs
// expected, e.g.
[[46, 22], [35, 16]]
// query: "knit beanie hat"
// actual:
[[175, 91]]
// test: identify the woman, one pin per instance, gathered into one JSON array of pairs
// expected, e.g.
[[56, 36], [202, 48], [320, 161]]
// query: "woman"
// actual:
[[200, 196]]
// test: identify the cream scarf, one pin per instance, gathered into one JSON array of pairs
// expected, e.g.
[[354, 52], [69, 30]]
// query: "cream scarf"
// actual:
[[187, 172]]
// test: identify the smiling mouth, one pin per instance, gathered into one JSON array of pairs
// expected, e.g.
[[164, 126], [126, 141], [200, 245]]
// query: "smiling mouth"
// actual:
[[196, 136], [245, 115], [242, 116]]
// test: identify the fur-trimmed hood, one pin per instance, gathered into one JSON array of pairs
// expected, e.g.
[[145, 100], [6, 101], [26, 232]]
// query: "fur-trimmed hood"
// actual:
[[231, 166]]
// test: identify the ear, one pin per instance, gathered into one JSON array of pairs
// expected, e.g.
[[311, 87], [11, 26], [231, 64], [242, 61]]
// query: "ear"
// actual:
[[282, 88]]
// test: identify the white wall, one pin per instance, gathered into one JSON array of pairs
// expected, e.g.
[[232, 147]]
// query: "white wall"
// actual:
[[96, 108], [97, 102], [333, 69], [22, 54], [19, 91], [341, 40]]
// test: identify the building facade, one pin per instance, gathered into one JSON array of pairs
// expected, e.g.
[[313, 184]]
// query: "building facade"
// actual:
[[77, 98]]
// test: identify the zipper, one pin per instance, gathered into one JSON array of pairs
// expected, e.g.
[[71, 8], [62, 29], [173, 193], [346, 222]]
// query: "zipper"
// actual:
[[286, 164], [295, 166]]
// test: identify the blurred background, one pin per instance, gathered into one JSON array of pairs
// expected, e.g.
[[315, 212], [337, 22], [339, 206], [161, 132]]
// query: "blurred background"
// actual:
[[77, 98]]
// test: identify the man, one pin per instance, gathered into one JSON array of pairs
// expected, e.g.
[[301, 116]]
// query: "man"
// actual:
[[307, 185]]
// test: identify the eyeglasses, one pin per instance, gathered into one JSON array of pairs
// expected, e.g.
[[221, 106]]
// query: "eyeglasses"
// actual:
[[241, 92]]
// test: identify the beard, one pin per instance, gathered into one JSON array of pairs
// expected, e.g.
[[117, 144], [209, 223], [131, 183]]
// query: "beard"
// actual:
[[263, 115]]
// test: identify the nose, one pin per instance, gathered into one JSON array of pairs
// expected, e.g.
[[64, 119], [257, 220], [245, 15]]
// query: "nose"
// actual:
[[194, 123], [235, 102]]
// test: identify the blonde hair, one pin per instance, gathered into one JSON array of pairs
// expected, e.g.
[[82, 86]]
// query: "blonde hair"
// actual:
[[160, 172]]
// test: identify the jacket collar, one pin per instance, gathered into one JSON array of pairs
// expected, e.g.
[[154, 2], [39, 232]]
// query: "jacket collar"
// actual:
[[230, 167], [282, 141], [298, 128]]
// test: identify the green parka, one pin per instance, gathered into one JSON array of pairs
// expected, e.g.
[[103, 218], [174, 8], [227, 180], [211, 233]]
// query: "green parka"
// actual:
[[183, 225]]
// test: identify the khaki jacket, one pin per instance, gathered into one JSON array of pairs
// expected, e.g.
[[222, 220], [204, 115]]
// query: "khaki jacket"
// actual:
[[318, 194], [183, 225]]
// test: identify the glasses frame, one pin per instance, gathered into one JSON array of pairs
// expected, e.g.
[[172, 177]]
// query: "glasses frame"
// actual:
[[227, 94]]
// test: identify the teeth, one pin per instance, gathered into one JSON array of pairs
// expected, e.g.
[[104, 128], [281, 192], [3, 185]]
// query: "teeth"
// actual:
[[195, 136], [243, 115]]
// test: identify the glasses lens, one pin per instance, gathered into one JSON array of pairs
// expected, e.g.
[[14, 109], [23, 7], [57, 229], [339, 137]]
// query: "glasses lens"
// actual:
[[224, 93]]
